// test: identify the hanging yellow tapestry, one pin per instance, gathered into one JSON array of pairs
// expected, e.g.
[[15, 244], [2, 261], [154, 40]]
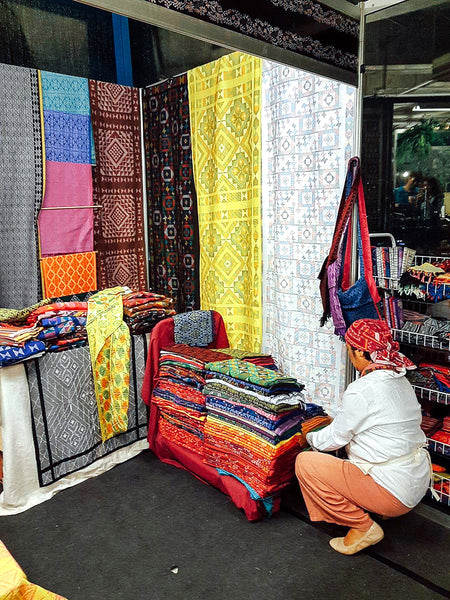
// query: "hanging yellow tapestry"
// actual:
[[109, 345], [14, 584], [225, 109]]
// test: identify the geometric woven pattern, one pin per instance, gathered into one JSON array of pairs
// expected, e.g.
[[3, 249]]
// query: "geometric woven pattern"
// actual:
[[224, 99], [69, 274], [20, 186], [172, 204], [67, 433], [306, 145], [67, 137], [109, 345], [118, 224]]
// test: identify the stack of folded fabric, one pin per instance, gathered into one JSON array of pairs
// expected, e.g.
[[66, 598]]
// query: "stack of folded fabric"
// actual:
[[10, 355], [18, 337], [143, 310], [262, 360], [178, 394], [256, 423], [443, 437], [63, 325], [430, 425]]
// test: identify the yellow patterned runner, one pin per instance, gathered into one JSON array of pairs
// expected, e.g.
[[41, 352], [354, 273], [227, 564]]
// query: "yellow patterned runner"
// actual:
[[225, 108], [109, 345], [14, 584]]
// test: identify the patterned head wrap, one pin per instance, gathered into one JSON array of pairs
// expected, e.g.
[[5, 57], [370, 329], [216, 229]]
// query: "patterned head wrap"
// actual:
[[374, 336]]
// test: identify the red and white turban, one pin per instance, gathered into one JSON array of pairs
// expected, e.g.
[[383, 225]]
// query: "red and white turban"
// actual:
[[374, 336]]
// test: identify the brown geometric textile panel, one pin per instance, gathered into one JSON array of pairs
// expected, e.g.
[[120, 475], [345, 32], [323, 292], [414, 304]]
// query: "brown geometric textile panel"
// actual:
[[117, 179]]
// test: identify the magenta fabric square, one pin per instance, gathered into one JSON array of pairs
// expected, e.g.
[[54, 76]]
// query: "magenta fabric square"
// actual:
[[67, 230]]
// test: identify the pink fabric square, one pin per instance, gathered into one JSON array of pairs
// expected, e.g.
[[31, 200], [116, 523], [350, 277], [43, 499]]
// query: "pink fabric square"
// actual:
[[69, 230]]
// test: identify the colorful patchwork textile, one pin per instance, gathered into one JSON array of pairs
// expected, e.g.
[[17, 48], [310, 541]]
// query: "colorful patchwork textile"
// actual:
[[307, 141], [14, 584], [224, 102], [173, 221], [118, 225], [109, 344], [69, 274], [69, 230], [194, 328], [67, 434], [21, 186]]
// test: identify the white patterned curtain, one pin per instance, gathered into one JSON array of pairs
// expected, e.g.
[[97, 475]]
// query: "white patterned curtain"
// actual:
[[307, 141]]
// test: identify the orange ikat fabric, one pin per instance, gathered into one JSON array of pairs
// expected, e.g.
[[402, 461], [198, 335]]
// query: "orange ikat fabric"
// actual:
[[69, 274]]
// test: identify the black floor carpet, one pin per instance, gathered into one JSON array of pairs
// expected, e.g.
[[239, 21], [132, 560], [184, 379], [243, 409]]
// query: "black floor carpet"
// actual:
[[149, 531]]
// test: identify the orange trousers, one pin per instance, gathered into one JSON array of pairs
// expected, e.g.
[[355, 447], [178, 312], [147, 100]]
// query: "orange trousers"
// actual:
[[337, 491]]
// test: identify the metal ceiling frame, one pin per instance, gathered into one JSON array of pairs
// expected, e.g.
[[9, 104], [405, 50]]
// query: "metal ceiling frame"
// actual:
[[159, 16]]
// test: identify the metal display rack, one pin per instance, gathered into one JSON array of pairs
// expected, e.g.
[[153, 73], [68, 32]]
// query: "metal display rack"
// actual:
[[440, 450], [420, 339], [441, 487], [431, 395]]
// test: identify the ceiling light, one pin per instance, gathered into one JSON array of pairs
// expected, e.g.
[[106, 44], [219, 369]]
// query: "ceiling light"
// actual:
[[417, 108]]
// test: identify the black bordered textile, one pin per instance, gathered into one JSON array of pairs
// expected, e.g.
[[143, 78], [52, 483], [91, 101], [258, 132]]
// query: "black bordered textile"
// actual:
[[64, 411]]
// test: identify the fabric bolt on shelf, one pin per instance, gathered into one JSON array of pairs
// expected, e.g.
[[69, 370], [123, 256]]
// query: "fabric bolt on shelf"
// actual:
[[14, 584], [69, 273], [69, 230], [174, 245], [225, 111], [21, 186], [109, 345], [117, 185], [67, 434]]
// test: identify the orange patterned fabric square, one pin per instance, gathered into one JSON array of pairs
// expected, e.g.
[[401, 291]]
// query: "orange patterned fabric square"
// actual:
[[69, 274]]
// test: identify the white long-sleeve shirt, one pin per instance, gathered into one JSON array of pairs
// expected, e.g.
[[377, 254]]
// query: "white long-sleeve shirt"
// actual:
[[379, 421]]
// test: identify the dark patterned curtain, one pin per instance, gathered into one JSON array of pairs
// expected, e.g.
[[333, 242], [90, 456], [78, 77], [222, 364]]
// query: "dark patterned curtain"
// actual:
[[172, 203], [303, 26]]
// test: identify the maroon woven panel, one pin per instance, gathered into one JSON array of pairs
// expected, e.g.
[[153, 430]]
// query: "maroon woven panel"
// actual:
[[117, 179]]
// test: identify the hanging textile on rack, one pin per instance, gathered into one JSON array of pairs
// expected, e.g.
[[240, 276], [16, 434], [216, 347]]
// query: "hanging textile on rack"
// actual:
[[63, 227], [343, 301], [173, 221], [66, 220], [69, 274], [307, 140], [224, 102], [109, 345], [119, 222], [21, 185]]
